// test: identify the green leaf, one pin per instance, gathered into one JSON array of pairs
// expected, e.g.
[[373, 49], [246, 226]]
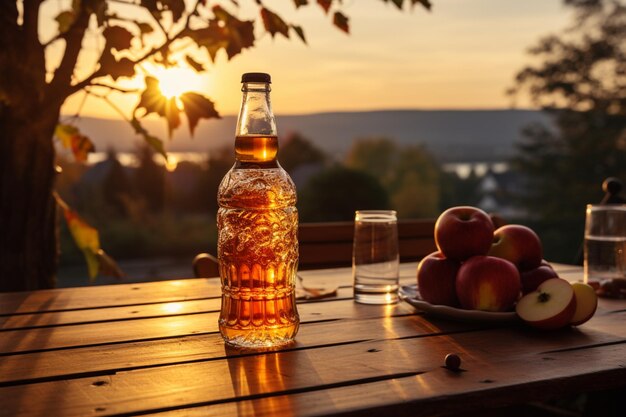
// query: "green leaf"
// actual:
[[144, 28], [194, 64], [273, 23], [154, 142], [224, 32], [325, 4], [177, 7], [172, 114], [96, 7], [211, 38], [299, 32], [116, 69], [153, 101], [65, 20], [86, 237], [221, 14], [108, 266], [72, 139], [153, 7], [117, 37], [426, 3], [341, 21], [197, 107]]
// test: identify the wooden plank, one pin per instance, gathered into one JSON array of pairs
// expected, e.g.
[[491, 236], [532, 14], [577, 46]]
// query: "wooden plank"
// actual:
[[325, 245], [132, 312], [420, 395], [492, 360], [108, 295], [128, 294], [111, 358], [326, 278], [173, 291], [49, 338], [95, 315], [326, 232], [344, 231]]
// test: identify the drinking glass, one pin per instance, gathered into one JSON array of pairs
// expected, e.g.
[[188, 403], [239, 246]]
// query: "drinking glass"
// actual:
[[605, 242], [375, 257]]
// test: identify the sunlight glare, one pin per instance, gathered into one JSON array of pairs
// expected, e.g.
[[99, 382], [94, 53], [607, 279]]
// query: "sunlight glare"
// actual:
[[171, 163], [175, 81], [173, 307]]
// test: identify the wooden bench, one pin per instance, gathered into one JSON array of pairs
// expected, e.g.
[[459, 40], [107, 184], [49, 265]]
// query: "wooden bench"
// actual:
[[329, 245]]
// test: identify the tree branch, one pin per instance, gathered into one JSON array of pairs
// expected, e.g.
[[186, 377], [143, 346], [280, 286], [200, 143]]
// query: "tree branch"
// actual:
[[55, 38], [31, 22], [110, 103], [160, 25], [8, 28], [60, 86], [168, 41], [126, 2], [114, 88]]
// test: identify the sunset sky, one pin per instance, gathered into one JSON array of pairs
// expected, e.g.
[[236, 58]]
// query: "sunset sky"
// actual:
[[461, 55]]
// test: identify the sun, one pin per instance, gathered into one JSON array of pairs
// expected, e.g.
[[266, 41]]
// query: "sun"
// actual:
[[175, 81]]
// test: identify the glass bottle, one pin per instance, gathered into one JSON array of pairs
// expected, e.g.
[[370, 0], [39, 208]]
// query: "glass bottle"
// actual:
[[257, 225]]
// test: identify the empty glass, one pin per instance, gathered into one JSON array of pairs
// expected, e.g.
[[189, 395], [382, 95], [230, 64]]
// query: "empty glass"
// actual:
[[375, 257], [605, 242]]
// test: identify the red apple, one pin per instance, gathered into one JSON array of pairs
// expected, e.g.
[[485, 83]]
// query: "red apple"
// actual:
[[462, 232], [436, 279], [531, 279], [488, 283], [551, 306], [518, 244], [586, 303]]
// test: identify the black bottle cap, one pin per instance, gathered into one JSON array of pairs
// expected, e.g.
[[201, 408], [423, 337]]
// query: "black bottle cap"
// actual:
[[256, 77]]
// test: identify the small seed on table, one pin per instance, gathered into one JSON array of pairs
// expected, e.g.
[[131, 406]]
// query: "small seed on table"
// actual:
[[453, 361]]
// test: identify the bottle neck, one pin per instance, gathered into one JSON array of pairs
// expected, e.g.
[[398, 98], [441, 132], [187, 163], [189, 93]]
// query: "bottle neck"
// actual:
[[256, 134], [256, 116]]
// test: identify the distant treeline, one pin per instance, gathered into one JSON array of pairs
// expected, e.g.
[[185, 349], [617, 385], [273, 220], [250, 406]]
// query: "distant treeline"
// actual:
[[147, 210]]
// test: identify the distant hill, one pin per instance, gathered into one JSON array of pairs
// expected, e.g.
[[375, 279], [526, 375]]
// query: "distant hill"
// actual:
[[452, 135]]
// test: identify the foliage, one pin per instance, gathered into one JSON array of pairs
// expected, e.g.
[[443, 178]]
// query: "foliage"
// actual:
[[334, 195], [149, 180], [125, 35], [135, 32], [88, 241], [297, 151], [581, 82], [218, 163], [456, 191], [153, 235], [72, 139], [410, 174]]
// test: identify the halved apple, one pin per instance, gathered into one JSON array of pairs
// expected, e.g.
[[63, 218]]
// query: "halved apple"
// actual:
[[551, 306], [586, 303]]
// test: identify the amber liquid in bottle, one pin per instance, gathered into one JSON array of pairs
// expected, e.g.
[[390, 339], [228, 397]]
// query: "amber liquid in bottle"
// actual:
[[257, 247]]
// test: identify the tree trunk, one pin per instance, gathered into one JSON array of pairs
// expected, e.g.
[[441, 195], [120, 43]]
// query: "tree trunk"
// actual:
[[28, 116], [28, 220]]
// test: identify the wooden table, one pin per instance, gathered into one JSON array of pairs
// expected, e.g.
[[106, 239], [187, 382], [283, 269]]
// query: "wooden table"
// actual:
[[154, 348]]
